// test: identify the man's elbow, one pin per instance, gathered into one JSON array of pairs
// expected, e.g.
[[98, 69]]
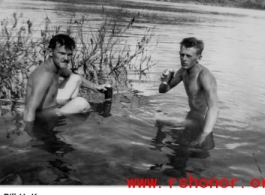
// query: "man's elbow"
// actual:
[[163, 88]]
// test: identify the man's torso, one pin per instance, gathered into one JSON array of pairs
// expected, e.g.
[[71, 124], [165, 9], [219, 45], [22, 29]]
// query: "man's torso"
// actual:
[[195, 91]]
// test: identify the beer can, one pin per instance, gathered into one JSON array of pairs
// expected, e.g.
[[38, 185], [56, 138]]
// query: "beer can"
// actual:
[[108, 92], [168, 76]]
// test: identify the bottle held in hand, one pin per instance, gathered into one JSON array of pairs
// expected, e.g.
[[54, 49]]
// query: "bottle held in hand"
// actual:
[[108, 93], [168, 76]]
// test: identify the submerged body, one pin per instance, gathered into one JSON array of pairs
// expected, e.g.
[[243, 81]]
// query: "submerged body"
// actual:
[[199, 83], [44, 91]]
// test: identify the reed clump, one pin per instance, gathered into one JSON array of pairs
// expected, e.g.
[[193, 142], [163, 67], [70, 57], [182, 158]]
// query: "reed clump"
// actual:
[[103, 53]]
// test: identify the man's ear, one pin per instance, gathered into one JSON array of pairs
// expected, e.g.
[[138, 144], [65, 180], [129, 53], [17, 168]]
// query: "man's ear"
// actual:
[[199, 57], [50, 52]]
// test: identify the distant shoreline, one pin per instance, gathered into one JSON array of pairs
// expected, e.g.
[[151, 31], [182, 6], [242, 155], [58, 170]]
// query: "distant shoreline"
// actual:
[[247, 4]]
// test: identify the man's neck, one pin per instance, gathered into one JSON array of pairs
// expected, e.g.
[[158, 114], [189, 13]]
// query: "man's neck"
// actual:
[[193, 69], [52, 67]]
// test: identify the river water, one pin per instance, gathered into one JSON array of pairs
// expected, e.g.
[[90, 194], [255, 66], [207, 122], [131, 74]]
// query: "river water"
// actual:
[[118, 147]]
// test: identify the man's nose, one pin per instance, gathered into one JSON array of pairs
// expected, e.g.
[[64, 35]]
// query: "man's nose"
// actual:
[[66, 58]]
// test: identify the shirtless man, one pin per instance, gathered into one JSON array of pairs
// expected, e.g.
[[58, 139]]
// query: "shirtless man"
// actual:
[[200, 85], [45, 92]]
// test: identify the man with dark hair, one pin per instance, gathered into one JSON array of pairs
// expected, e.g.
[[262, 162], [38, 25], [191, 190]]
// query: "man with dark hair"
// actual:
[[62, 39], [44, 92], [200, 86]]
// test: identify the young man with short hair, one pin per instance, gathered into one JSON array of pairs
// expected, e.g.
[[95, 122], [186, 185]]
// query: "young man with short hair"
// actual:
[[199, 83]]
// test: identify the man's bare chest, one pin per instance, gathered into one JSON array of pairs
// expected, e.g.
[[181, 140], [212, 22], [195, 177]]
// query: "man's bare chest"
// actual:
[[192, 85]]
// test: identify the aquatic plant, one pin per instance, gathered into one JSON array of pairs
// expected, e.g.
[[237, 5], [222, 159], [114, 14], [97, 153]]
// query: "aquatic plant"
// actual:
[[12, 53], [105, 54], [102, 54]]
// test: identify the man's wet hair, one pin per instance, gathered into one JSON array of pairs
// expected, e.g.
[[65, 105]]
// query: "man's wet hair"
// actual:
[[193, 42], [62, 40]]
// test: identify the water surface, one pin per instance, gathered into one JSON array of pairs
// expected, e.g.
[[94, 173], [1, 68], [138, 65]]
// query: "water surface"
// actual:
[[109, 150]]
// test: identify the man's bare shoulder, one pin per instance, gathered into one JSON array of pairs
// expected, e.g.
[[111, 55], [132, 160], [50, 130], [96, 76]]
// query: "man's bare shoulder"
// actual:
[[40, 75], [206, 77]]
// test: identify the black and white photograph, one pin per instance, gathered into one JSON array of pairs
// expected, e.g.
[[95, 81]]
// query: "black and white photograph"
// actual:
[[132, 93]]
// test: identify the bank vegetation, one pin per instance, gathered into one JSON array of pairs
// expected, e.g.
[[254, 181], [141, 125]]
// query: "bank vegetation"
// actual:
[[104, 54]]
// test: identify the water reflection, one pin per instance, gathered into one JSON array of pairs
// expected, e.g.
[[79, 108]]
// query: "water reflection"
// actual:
[[50, 135], [104, 109], [47, 127], [178, 139], [242, 103], [44, 131]]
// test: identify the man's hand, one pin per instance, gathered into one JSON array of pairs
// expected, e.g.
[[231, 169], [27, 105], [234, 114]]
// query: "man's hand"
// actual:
[[26, 129], [199, 141], [163, 75], [102, 87]]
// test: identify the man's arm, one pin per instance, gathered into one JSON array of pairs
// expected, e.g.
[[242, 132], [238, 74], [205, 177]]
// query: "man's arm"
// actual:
[[39, 87], [209, 86], [163, 88], [90, 85], [86, 83]]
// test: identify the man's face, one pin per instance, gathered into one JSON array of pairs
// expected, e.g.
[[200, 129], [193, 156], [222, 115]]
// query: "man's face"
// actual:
[[61, 56], [188, 57]]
